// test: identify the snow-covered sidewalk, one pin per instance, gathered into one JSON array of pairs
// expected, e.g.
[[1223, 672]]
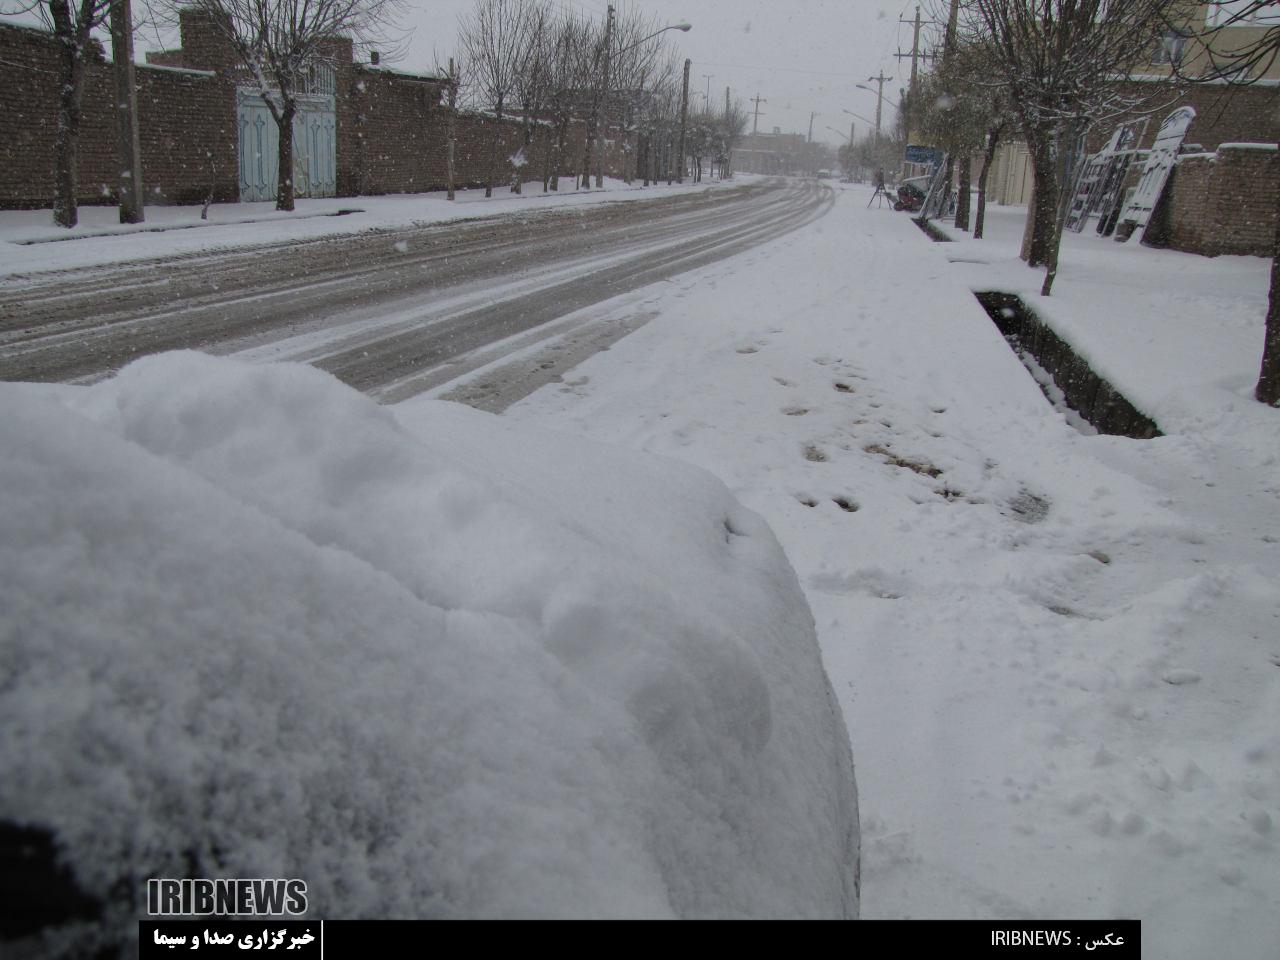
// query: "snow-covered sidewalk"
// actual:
[[1058, 654], [29, 241]]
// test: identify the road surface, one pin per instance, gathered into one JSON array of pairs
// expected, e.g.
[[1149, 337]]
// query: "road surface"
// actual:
[[397, 312]]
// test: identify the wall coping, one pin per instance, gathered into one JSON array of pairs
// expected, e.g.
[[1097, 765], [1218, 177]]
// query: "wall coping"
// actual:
[[184, 70], [1179, 81], [400, 74], [1267, 147]]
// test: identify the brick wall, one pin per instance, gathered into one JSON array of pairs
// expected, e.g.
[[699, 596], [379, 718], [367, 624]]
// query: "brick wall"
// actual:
[[186, 120], [1223, 114], [1220, 203], [391, 127]]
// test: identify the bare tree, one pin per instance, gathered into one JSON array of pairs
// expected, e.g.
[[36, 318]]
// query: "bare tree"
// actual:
[[635, 64], [1059, 61], [72, 23], [730, 131], [280, 43], [1223, 57], [660, 118], [570, 70], [533, 79], [959, 109], [498, 41]]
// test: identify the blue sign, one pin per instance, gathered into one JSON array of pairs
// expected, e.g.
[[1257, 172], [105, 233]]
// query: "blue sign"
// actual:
[[918, 154]]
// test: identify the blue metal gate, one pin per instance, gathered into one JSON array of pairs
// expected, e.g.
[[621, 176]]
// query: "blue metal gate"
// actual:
[[314, 147]]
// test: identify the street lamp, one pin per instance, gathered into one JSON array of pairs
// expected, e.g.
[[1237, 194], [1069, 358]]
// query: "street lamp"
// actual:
[[879, 92], [684, 26], [858, 116]]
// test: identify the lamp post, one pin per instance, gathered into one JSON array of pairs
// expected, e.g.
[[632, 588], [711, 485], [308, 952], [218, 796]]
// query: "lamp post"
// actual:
[[879, 92], [684, 26], [849, 165], [858, 116]]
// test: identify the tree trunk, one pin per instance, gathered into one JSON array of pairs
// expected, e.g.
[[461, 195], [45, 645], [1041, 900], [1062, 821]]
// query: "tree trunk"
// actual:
[[947, 182], [493, 152], [284, 157], [526, 151], [588, 145], [962, 192], [562, 133], [129, 151], [988, 158], [1268, 388], [67, 140], [1044, 202], [548, 140]]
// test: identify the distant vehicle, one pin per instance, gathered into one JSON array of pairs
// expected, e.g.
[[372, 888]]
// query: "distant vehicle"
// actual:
[[824, 174]]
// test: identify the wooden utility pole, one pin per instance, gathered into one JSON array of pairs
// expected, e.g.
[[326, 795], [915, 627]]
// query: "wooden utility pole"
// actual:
[[130, 149], [451, 148], [604, 99], [755, 124], [880, 79], [949, 39], [684, 120], [915, 46]]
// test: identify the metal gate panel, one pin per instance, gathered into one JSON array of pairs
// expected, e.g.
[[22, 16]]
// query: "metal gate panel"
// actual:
[[314, 147], [1164, 152]]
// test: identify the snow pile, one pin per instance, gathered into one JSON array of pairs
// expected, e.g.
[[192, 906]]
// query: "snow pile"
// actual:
[[254, 625]]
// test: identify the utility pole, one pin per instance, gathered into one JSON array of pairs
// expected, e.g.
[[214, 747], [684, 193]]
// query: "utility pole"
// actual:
[[755, 124], [949, 42], [453, 126], [130, 149], [604, 100], [915, 24], [727, 171], [812, 114], [684, 119], [880, 79], [708, 77]]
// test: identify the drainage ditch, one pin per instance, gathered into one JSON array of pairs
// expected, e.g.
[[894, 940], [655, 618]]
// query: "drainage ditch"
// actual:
[[933, 233], [1088, 394]]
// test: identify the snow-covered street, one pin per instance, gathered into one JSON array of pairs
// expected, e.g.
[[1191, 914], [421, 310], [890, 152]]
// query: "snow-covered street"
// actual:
[[1057, 653]]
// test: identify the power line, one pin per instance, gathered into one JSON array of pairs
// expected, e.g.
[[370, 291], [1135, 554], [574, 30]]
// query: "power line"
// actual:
[[739, 66]]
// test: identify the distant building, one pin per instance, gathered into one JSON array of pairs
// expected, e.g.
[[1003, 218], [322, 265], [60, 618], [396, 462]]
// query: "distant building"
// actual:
[[773, 153]]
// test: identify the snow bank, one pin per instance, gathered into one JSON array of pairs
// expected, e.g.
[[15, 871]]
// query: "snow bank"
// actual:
[[255, 625]]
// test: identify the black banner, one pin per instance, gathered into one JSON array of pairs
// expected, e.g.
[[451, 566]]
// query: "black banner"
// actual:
[[342, 939]]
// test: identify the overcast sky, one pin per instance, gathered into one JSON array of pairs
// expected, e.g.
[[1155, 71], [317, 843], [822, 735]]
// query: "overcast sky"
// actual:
[[799, 55]]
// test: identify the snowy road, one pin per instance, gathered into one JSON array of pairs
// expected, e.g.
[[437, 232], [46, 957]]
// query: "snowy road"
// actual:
[[392, 313]]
